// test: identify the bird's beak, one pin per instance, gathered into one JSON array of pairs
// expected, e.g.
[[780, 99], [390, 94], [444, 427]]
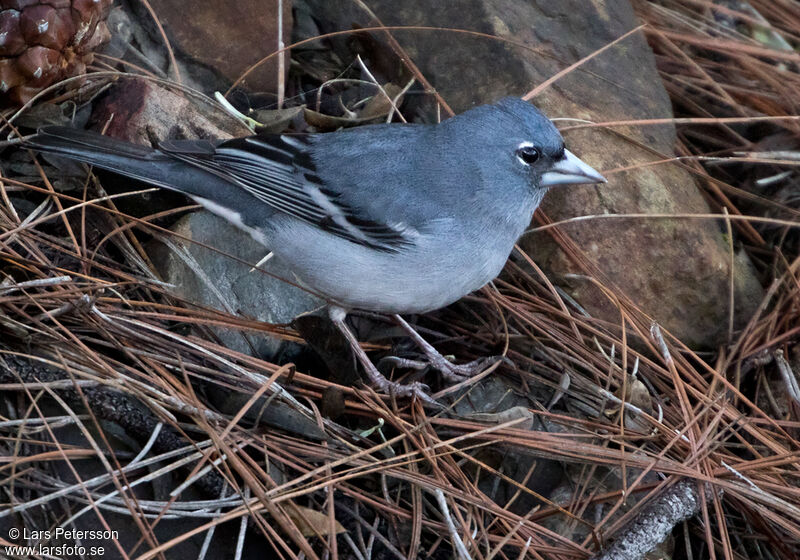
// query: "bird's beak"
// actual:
[[570, 170]]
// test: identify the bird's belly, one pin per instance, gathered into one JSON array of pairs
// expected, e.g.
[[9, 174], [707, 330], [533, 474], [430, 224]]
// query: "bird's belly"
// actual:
[[427, 276]]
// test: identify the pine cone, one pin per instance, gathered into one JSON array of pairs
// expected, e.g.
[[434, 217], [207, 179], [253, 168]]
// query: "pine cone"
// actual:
[[43, 41]]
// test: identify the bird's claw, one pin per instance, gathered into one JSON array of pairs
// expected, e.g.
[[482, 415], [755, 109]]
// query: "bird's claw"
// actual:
[[399, 390], [414, 389], [406, 363], [462, 372], [452, 372]]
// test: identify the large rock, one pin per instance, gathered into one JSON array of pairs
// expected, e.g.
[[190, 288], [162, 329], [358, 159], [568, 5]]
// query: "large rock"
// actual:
[[677, 270], [212, 46], [230, 36]]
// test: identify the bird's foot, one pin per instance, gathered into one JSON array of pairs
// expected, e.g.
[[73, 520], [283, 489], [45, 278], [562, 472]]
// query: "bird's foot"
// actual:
[[414, 390], [455, 373]]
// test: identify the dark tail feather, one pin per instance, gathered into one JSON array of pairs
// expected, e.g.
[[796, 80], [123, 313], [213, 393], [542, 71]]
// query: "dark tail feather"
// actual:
[[67, 141], [138, 162]]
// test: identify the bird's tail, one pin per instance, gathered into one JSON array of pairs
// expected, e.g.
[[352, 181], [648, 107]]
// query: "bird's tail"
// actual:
[[132, 160]]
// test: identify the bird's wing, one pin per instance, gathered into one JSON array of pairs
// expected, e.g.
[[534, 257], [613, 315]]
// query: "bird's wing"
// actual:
[[278, 170]]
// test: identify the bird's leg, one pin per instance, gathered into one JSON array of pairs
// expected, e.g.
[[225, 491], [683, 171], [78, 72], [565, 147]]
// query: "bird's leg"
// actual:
[[450, 371], [337, 315]]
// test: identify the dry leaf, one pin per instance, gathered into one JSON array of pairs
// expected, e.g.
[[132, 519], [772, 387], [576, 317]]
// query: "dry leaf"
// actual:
[[312, 522]]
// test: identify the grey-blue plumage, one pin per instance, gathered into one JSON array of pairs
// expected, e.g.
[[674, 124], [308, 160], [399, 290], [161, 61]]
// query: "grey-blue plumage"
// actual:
[[390, 218], [393, 218]]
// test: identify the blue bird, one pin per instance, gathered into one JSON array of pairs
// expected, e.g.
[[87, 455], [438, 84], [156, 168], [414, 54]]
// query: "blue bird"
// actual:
[[390, 218]]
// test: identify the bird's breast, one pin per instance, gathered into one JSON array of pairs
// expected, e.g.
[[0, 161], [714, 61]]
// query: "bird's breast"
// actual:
[[441, 266]]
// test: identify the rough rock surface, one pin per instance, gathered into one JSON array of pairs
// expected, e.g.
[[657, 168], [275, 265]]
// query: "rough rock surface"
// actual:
[[208, 277], [140, 111], [229, 36], [677, 271]]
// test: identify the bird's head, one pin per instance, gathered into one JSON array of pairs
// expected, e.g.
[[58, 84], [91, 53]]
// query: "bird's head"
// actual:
[[521, 136]]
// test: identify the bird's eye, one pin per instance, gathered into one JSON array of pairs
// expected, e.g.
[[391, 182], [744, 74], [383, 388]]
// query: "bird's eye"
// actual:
[[528, 154]]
